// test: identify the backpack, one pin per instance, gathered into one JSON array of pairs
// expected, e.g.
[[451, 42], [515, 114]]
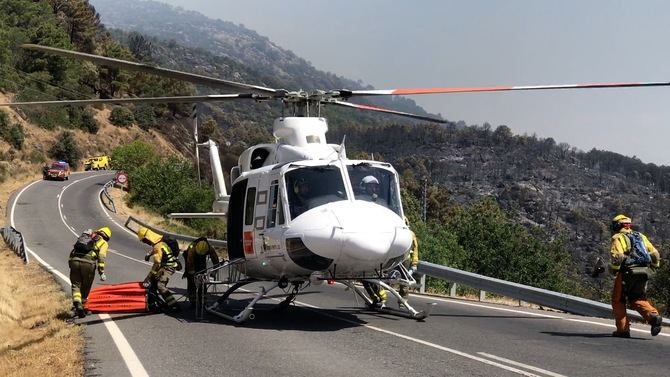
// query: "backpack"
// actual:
[[173, 244], [85, 243], [638, 254]]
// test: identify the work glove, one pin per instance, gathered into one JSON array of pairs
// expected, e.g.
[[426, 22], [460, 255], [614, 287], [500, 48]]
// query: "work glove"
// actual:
[[103, 277], [147, 256], [146, 283]]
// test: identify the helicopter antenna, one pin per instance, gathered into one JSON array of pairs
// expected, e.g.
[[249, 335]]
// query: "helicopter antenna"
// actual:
[[194, 115], [343, 151]]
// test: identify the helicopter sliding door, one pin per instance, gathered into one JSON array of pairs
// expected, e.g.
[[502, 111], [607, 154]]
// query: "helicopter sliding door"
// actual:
[[236, 220]]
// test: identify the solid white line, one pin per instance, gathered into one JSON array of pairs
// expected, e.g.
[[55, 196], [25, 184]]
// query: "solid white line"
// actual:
[[129, 357], [460, 302], [420, 341], [522, 365]]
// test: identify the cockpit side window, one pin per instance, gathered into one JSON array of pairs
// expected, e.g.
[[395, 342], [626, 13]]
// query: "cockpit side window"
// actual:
[[375, 184], [274, 205], [310, 187]]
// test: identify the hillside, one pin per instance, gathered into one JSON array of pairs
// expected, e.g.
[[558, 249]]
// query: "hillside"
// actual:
[[562, 196], [276, 66]]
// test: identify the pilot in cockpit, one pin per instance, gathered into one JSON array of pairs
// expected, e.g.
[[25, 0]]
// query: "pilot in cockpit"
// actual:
[[370, 186], [302, 196]]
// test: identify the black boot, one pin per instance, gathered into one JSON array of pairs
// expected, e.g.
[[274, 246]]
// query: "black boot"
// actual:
[[79, 310], [656, 323], [621, 334]]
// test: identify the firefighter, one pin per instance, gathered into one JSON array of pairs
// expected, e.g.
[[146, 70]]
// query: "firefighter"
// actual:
[[164, 265], [410, 263], [195, 260], [377, 294], [632, 268], [88, 252]]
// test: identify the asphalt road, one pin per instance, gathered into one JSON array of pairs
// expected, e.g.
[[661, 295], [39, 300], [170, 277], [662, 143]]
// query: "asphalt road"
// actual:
[[327, 332]]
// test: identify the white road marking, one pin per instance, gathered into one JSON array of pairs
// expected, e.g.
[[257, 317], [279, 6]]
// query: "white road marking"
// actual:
[[129, 357], [423, 342], [521, 365], [516, 311]]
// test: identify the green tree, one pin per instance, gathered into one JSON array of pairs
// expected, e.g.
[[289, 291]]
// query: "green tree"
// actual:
[[121, 116], [131, 156], [66, 149]]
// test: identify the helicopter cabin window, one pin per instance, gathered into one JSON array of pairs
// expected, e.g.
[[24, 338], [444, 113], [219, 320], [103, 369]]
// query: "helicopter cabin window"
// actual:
[[249, 206], [375, 184], [275, 211], [313, 186], [313, 139]]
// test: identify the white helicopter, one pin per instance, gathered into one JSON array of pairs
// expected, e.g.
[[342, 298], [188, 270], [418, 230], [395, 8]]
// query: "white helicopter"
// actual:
[[300, 212]]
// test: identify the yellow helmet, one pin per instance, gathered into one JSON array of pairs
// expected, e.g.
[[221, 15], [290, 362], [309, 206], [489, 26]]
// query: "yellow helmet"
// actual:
[[145, 233], [202, 247], [620, 221], [142, 232], [105, 232]]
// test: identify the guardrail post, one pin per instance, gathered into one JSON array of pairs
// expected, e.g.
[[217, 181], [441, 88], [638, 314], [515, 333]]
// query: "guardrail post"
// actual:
[[482, 295], [422, 281], [452, 291]]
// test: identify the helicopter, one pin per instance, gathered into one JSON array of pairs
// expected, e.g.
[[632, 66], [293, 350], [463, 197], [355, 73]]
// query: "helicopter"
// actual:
[[299, 211]]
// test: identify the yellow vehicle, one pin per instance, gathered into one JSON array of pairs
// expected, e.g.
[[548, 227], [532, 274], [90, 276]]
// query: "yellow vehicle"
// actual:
[[97, 163]]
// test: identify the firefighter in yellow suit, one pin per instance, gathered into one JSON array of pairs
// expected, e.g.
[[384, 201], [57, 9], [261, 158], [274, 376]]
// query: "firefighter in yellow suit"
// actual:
[[83, 265], [195, 257], [411, 263], [631, 278], [164, 265]]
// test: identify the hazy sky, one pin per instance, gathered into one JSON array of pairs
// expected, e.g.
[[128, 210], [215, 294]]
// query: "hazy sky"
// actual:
[[435, 43]]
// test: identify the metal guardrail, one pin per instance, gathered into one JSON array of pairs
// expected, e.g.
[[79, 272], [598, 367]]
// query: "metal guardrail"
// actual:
[[104, 195], [14, 240], [543, 297], [179, 237]]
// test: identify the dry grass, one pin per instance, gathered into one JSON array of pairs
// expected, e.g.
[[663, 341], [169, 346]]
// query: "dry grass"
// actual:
[[35, 339]]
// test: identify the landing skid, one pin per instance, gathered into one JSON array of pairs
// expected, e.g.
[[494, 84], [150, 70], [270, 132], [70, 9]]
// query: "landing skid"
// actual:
[[405, 310], [247, 312]]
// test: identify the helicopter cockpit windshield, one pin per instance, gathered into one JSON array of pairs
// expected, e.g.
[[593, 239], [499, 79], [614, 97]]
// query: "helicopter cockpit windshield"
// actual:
[[312, 186], [375, 184]]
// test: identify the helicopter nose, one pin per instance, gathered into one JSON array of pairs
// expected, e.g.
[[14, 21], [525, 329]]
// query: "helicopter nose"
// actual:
[[352, 233], [372, 232]]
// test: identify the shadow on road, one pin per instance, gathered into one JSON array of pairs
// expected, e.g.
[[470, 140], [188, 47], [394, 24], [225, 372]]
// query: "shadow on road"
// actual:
[[584, 335]]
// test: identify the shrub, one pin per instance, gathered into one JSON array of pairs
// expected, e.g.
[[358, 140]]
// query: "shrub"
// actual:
[[13, 134], [145, 117], [121, 116], [66, 149], [132, 156]]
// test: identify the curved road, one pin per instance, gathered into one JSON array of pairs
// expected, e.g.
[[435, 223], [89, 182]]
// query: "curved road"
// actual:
[[326, 333]]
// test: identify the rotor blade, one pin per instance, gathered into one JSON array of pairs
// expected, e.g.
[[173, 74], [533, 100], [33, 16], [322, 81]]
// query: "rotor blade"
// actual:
[[140, 67], [178, 99], [382, 110], [411, 91]]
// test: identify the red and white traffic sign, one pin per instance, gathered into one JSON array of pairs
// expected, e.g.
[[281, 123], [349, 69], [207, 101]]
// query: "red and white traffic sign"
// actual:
[[122, 178]]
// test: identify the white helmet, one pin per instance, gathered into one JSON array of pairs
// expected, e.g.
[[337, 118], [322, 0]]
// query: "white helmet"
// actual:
[[369, 179]]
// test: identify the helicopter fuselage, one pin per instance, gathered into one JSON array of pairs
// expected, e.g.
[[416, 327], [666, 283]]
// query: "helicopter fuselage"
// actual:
[[299, 209]]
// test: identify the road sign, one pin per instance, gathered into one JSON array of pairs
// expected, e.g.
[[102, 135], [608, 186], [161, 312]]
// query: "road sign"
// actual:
[[122, 178]]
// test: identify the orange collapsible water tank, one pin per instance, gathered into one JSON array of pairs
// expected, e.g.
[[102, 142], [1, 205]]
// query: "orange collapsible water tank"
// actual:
[[118, 298]]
